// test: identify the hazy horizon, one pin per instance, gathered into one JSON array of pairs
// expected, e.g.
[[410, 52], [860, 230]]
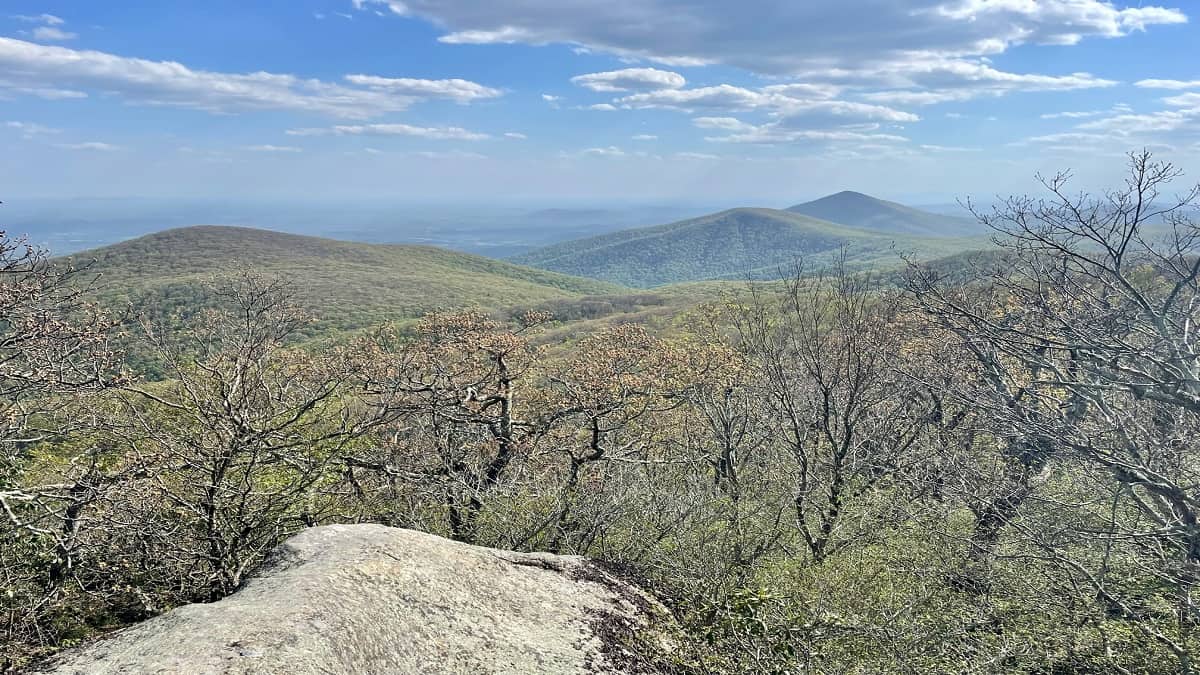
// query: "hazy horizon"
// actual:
[[499, 228]]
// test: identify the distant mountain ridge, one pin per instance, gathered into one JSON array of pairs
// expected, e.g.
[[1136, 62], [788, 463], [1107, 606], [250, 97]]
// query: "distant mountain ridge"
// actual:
[[346, 284], [870, 213], [737, 243]]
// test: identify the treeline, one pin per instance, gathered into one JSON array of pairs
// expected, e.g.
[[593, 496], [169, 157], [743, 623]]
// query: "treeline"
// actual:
[[820, 475]]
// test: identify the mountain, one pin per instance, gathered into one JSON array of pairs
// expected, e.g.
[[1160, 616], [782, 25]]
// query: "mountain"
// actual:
[[731, 244], [865, 212], [343, 284]]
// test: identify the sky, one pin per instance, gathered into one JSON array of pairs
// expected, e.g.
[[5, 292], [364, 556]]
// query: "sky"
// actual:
[[757, 101]]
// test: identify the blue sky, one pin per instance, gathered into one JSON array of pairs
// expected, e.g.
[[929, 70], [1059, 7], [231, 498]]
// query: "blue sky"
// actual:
[[759, 101]]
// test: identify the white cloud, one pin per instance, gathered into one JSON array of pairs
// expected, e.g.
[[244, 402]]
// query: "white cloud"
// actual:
[[636, 79], [724, 123], [1168, 84], [1067, 138], [1188, 100], [606, 107], [48, 31], [31, 129], [771, 135], [273, 148], [394, 6], [453, 154], [804, 90], [48, 19], [610, 151], [515, 135], [644, 137], [48, 93], [785, 36], [1084, 114], [1129, 125], [947, 148], [1063, 21], [784, 131], [847, 109], [502, 35], [914, 97], [723, 96], [60, 72], [1121, 128], [681, 61], [1073, 114], [433, 133], [770, 99], [90, 145], [694, 156], [914, 53], [932, 81], [462, 91], [52, 34]]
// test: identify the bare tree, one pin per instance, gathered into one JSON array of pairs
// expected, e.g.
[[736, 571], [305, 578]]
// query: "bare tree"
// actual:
[[828, 352], [608, 404], [54, 352], [239, 442], [1088, 340], [457, 417]]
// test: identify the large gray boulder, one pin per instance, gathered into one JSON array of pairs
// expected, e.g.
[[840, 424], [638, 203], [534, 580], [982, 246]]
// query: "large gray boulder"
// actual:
[[374, 599]]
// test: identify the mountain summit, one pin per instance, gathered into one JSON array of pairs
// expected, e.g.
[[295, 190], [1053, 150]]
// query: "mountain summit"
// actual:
[[869, 213], [736, 243]]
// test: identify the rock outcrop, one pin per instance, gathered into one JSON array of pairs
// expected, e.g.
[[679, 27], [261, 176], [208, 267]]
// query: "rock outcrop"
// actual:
[[374, 599]]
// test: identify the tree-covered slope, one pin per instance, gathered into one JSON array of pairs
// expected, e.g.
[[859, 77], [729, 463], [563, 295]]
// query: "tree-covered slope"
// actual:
[[731, 244], [344, 284], [863, 211]]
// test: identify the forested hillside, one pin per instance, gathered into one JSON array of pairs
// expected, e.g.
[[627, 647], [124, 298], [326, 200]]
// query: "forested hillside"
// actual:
[[738, 244], [345, 284], [981, 469]]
